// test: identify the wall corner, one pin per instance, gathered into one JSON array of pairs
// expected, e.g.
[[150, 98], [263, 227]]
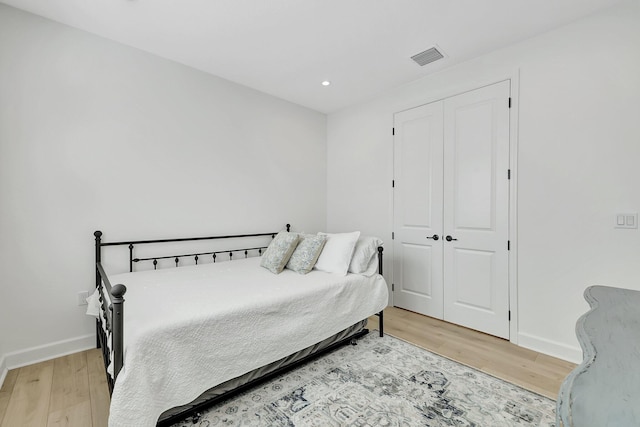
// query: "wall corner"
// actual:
[[3, 369]]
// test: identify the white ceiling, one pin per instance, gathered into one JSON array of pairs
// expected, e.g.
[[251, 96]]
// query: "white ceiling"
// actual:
[[287, 47]]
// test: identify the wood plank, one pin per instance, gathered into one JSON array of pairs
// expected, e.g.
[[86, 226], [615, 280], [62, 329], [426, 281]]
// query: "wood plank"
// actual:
[[70, 402], [425, 337], [526, 368], [544, 391], [561, 365], [29, 403], [6, 391], [98, 388], [530, 377], [71, 416]]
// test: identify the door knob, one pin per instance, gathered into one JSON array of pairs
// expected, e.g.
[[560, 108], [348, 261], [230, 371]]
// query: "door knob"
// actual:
[[449, 238], [434, 237]]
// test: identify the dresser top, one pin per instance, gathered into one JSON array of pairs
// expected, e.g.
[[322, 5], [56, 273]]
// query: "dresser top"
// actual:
[[604, 390]]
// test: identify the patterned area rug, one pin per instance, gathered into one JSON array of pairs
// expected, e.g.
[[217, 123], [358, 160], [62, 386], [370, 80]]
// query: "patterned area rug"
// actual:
[[382, 382]]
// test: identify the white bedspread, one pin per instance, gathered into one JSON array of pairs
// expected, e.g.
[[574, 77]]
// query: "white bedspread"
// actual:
[[188, 329]]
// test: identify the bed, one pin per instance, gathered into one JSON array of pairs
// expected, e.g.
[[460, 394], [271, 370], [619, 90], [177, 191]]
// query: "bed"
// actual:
[[196, 334]]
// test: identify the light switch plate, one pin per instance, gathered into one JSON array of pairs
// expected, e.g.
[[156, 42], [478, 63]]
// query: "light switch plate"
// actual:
[[626, 220]]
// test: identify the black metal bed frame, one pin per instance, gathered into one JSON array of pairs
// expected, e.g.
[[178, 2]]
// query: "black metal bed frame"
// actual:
[[114, 313]]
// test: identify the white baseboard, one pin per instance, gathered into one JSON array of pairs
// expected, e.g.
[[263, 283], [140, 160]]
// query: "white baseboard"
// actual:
[[3, 369], [50, 351], [552, 348]]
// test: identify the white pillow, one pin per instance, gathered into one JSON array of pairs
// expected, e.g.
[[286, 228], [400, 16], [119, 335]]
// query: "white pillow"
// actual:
[[336, 254], [372, 268], [365, 260]]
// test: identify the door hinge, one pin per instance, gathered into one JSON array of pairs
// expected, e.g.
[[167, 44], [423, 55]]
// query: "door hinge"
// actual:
[[509, 102], [393, 287], [508, 173], [393, 183], [393, 131], [393, 235], [508, 245], [509, 315]]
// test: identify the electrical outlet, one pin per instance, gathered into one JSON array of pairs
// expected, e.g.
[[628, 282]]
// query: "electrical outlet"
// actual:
[[82, 297]]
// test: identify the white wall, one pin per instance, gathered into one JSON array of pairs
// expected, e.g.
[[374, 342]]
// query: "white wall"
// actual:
[[579, 148], [96, 135]]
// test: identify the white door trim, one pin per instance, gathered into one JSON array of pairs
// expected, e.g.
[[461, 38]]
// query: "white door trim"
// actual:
[[513, 205]]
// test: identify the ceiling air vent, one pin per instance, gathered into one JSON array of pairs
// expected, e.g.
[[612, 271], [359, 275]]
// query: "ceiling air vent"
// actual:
[[427, 57]]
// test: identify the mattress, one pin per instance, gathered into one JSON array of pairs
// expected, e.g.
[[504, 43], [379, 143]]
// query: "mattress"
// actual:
[[191, 328]]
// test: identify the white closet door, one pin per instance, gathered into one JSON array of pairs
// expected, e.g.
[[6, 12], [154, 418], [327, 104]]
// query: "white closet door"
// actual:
[[417, 266], [476, 209]]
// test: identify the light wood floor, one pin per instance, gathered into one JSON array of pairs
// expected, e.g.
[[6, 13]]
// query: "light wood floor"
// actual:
[[72, 390], [526, 368], [68, 391]]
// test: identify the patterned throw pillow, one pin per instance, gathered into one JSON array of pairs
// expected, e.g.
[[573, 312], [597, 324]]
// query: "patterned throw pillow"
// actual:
[[279, 251], [306, 254]]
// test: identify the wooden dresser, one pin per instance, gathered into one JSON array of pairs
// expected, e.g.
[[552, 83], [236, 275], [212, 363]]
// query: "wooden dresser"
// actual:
[[604, 390]]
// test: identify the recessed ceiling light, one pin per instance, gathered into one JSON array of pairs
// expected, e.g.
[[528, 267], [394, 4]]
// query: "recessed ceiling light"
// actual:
[[326, 83]]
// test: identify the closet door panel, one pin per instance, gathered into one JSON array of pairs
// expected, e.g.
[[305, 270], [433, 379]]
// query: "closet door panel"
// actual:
[[476, 209], [419, 287], [475, 268], [418, 210], [473, 168]]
